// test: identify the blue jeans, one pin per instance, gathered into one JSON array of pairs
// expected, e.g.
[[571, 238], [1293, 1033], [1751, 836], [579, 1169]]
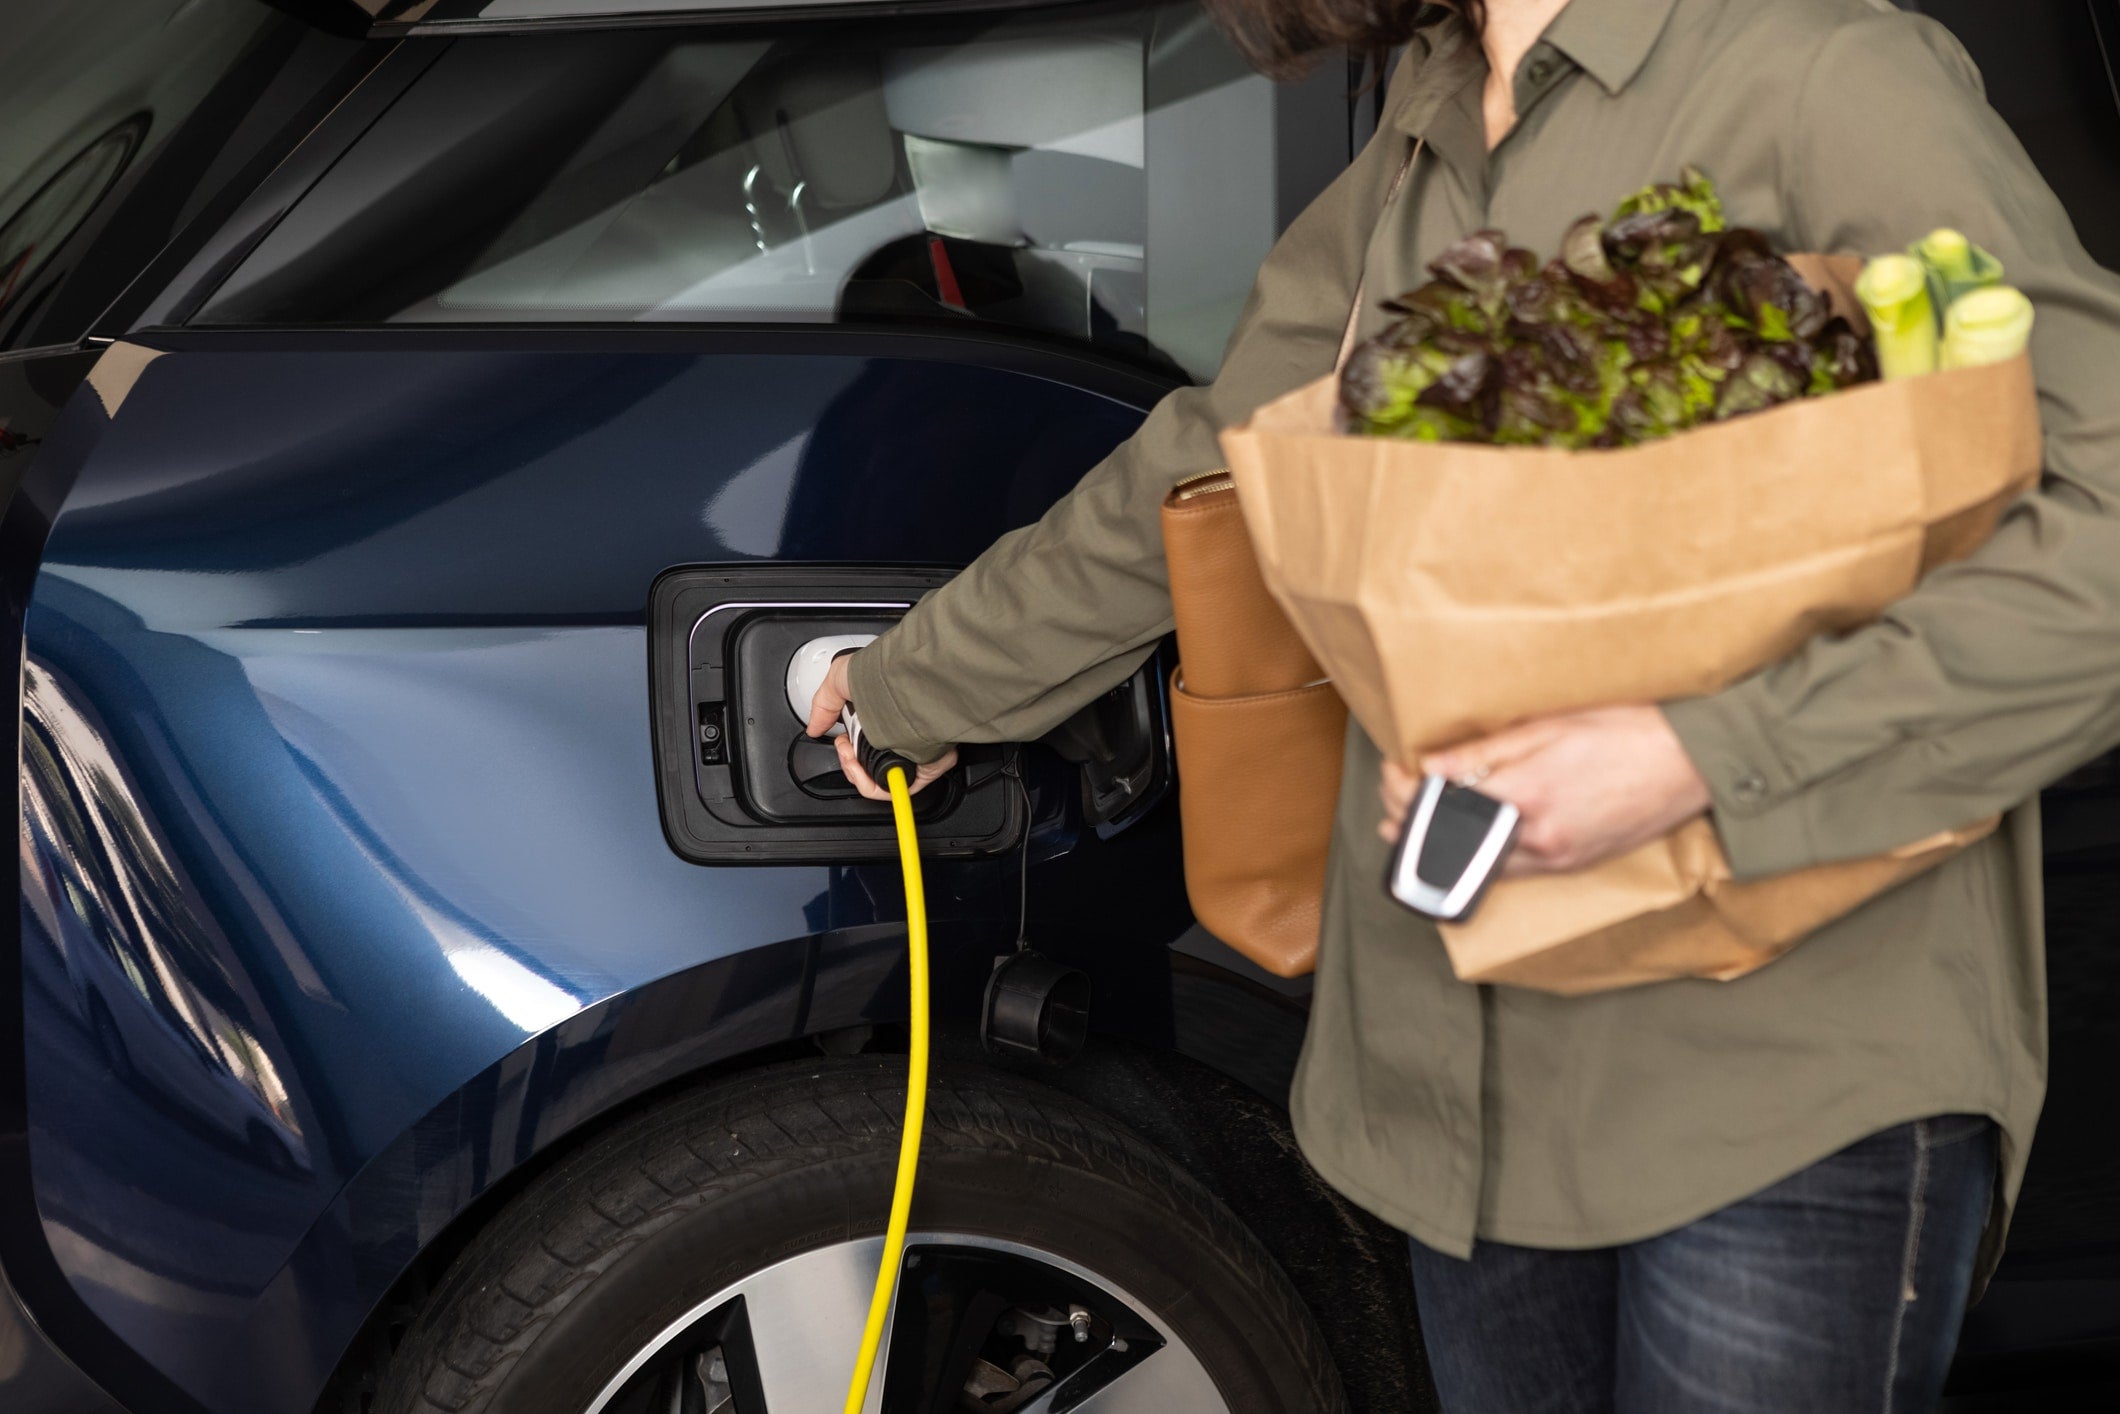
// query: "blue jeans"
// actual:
[[1836, 1291]]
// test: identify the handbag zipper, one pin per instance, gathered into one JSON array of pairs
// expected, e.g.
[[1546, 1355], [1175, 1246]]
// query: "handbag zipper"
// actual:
[[1205, 483]]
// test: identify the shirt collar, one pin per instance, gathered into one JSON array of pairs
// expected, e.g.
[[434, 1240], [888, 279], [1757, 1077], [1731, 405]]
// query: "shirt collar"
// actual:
[[1609, 40], [1446, 58]]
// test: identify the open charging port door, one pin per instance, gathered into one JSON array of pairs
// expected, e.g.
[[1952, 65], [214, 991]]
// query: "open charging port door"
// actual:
[[739, 781]]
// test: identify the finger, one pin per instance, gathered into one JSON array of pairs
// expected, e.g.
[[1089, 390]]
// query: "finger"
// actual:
[[1522, 785], [1490, 752], [851, 765], [829, 699], [1532, 863], [1540, 847], [824, 708], [1521, 865], [1525, 861], [934, 770]]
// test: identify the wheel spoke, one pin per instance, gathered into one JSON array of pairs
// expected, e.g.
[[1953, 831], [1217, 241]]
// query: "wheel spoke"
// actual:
[[1171, 1381], [806, 1316], [783, 1340]]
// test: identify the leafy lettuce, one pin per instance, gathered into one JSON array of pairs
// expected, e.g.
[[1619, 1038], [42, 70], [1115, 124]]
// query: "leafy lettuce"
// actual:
[[1658, 320]]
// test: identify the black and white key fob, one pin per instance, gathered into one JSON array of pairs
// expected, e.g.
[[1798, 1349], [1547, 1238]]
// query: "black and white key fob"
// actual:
[[1455, 842]]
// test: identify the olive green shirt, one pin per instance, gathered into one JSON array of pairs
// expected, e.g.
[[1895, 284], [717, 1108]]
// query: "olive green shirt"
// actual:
[[1456, 1111]]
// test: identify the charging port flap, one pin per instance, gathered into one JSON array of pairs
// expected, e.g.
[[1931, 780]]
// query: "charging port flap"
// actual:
[[1120, 742], [738, 779]]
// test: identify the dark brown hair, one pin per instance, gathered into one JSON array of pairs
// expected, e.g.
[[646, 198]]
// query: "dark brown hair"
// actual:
[[1283, 37]]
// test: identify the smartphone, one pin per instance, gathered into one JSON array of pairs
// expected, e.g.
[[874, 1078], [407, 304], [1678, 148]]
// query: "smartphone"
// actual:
[[1455, 842]]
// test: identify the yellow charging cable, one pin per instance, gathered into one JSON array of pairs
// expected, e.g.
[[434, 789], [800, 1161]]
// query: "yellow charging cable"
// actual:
[[915, 1092]]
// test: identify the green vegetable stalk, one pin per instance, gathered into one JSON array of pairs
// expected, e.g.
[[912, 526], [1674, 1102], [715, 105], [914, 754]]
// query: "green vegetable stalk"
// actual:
[[1895, 290], [1955, 266], [1987, 326]]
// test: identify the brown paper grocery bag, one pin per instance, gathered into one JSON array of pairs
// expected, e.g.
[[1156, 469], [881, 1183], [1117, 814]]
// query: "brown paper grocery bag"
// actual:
[[1451, 590], [1549, 581], [1670, 909]]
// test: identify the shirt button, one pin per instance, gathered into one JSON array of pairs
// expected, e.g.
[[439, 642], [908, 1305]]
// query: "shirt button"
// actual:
[[1750, 786], [1540, 71]]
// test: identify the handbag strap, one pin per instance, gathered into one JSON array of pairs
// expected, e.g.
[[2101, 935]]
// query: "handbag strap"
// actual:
[[1354, 315]]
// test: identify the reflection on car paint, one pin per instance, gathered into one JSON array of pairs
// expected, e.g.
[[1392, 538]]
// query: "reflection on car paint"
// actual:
[[126, 934]]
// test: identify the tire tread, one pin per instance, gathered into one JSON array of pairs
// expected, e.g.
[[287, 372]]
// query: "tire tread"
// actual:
[[548, 1248]]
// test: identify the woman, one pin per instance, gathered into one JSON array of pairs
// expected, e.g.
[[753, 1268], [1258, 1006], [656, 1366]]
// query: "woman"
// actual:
[[1768, 1195]]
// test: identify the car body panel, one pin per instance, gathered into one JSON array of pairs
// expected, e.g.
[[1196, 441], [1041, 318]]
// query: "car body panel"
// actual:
[[39, 1380], [337, 789]]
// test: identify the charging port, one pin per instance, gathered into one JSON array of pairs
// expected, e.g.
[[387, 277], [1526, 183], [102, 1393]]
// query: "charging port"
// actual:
[[739, 780]]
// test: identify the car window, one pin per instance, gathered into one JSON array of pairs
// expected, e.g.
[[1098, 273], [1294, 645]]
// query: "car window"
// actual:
[[1114, 179], [86, 93]]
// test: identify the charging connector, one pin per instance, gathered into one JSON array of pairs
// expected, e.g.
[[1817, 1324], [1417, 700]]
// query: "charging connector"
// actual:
[[874, 759], [806, 673]]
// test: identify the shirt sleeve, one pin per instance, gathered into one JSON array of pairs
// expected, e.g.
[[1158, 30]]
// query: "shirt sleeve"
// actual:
[[1060, 611], [2000, 673]]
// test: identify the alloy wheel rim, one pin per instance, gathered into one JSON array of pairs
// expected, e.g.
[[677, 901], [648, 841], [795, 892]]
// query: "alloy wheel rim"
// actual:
[[783, 1338]]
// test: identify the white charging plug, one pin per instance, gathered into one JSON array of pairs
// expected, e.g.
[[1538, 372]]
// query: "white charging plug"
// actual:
[[807, 669]]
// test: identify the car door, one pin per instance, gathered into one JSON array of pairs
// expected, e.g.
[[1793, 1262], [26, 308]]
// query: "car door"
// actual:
[[348, 627]]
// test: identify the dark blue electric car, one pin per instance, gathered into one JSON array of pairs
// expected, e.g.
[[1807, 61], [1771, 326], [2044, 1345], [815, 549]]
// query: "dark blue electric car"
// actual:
[[444, 977]]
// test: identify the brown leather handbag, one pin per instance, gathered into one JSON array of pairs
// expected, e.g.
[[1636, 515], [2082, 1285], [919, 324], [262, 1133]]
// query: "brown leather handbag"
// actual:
[[1258, 728], [1258, 732]]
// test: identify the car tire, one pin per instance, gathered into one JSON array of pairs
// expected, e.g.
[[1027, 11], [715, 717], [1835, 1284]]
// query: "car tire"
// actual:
[[583, 1269]]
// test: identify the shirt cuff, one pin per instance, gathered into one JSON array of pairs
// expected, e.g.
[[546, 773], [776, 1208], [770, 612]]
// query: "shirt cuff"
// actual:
[[884, 720], [1756, 805]]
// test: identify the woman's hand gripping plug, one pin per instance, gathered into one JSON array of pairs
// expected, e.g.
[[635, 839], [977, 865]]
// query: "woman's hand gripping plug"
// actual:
[[832, 695]]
